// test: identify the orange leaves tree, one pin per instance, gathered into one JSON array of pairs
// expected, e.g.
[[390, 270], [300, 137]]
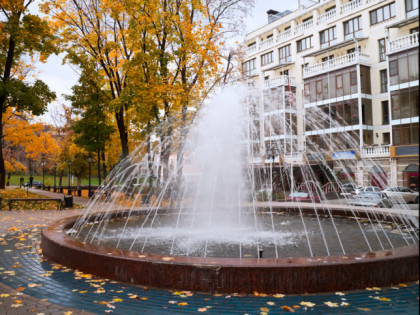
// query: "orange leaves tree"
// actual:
[[23, 36]]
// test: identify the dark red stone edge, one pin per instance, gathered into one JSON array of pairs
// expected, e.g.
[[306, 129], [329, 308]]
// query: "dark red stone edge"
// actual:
[[267, 275]]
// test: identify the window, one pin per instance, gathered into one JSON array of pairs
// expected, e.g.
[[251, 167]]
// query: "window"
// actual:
[[326, 58], [403, 67], [339, 81], [411, 5], [382, 49], [307, 19], [405, 103], [330, 9], [328, 37], [353, 28], [284, 54], [382, 14], [304, 44], [414, 30], [384, 81], [385, 113], [249, 67], [405, 134], [267, 58], [386, 138], [353, 78]]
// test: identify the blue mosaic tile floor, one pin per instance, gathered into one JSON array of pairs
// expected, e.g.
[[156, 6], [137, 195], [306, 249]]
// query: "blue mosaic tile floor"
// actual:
[[21, 266]]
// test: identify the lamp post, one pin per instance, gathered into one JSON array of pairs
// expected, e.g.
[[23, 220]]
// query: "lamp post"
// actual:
[[43, 164], [89, 162], [55, 174], [68, 179], [271, 153]]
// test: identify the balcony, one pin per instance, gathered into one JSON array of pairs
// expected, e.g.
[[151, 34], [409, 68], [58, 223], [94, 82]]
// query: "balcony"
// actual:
[[266, 43], [376, 151], [281, 37], [304, 26], [251, 73], [327, 16], [351, 6], [251, 49], [402, 43], [336, 63], [293, 158], [279, 81]]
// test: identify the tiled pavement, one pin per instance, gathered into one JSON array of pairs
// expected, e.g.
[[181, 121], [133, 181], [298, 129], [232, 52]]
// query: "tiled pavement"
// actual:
[[42, 287]]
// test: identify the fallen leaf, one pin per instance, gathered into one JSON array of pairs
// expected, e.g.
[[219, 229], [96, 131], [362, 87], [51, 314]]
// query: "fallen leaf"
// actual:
[[264, 309], [364, 309], [402, 285], [344, 304], [287, 309], [278, 295], [256, 293], [339, 293], [134, 297], [19, 289], [182, 304], [172, 302], [4, 295], [34, 285], [331, 304], [203, 309], [271, 303], [117, 300], [308, 304], [167, 258]]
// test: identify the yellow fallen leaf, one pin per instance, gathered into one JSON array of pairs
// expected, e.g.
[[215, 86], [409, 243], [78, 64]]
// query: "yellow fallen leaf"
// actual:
[[203, 309], [278, 295], [364, 309], [68, 313], [134, 297], [339, 293], [84, 291], [331, 304], [264, 309], [4, 295], [307, 304], [167, 258], [117, 300], [271, 303], [344, 304], [19, 289], [34, 285], [402, 285], [376, 288], [384, 299], [182, 304], [256, 293]]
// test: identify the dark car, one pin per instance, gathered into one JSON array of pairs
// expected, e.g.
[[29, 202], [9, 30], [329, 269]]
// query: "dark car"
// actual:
[[371, 199], [35, 184]]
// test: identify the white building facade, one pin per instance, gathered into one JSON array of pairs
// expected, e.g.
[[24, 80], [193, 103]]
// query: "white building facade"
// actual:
[[355, 63]]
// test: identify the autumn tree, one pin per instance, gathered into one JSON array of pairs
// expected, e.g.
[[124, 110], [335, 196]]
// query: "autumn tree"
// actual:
[[23, 36], [94, 127], [95, 32]]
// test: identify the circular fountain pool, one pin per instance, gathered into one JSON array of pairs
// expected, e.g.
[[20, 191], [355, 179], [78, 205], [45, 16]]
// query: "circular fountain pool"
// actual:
[[294, 273]]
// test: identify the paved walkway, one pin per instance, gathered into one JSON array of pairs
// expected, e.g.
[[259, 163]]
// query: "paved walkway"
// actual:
[[31, 285]]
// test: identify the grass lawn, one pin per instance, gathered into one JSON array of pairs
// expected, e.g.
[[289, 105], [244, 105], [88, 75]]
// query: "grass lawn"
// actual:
[[11, 193], [49, 180]]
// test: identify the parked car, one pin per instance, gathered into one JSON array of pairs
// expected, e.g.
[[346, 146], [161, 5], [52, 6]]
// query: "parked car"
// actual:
[[302, 196], [402, 193], [348, 188], [371, 199], [359, 190], [35, 184]]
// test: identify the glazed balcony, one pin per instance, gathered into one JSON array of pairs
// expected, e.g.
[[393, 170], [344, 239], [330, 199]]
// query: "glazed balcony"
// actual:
[[403, 43], [376, 151], [282, 80], [351, 6], [336, 63]]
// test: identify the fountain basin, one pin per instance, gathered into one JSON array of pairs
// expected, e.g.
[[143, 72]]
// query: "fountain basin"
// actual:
[[292, 275]]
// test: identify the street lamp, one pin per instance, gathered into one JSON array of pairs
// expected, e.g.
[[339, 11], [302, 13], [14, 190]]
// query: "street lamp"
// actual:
[[43, 164], [271, 154], [55, 174], [68, 179], [89, 162]]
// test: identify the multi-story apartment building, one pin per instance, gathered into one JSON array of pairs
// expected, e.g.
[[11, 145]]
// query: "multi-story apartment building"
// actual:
[[341, 69]]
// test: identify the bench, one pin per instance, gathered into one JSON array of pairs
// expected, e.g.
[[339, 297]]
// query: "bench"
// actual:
[[59, 201]]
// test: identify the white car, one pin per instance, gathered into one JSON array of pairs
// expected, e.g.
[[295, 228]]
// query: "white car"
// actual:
[[358, 190], [397, 194]]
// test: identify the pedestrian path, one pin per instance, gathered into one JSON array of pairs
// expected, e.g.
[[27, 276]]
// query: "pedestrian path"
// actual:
[[77, 200]]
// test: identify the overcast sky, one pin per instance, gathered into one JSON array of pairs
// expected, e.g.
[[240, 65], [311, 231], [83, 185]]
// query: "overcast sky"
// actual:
[[60, 78]]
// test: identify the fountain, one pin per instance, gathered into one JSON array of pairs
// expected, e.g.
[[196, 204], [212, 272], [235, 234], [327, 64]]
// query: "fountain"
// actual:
[[215, 216]]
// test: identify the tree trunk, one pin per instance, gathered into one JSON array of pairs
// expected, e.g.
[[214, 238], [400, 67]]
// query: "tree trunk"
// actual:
[[104, 164], [119, 116], [2, 167], [99, 167]]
